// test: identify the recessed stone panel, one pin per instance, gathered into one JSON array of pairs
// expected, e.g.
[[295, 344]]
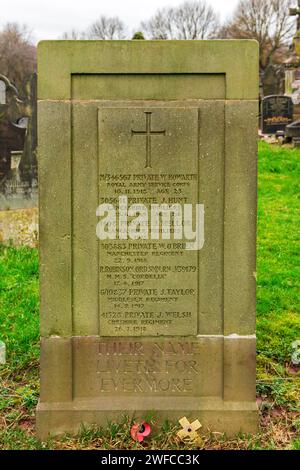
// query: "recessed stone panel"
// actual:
[[149, 156], [137, 368]]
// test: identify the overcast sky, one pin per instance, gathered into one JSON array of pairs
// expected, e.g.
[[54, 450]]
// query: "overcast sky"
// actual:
[[48, 19]]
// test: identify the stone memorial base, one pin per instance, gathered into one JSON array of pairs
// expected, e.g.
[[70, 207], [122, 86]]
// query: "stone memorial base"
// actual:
[[92, 380], [214, 415]]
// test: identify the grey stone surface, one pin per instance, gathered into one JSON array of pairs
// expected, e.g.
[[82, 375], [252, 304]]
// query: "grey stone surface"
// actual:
[[127, 325]]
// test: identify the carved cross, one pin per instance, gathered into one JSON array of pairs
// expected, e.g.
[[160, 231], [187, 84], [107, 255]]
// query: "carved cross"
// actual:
[[148, 133]]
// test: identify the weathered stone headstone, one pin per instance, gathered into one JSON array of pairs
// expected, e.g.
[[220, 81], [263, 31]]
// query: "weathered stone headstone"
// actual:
[[147, 319], [12, 138], [18, 185], [273, 80], [276, 113], [2, 92], [292, 132], [28, 164]]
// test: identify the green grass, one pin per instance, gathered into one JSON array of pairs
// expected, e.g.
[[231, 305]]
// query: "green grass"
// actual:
[[278, 262], [19, 305], [278, 325]]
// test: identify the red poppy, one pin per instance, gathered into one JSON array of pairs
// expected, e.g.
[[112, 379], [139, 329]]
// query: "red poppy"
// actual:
[[140, 431]]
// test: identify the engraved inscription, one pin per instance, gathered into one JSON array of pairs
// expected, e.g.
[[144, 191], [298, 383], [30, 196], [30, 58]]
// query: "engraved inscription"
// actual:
[[141, 367], [137, 367], [147, 286]]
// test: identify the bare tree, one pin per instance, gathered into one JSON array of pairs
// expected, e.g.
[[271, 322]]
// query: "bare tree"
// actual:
[[107, 28], [74, 35], [267, 21], [17, 54], [191, 20]]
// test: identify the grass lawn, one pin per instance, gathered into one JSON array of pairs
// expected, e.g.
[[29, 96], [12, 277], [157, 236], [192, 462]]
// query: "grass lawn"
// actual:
[[278, 325]]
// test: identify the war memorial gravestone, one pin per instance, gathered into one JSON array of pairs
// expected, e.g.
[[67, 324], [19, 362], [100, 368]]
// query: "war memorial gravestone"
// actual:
[[139, 315]]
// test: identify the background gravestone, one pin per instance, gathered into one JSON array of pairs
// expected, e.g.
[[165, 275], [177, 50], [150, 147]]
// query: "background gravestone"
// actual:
[[2, 92], [18, 171], [273, 80], [28, 164], [277, 113], [129, 326], [12, 136]]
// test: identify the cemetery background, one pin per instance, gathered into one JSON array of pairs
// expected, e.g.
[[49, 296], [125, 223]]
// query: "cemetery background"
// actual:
[[278, 300]]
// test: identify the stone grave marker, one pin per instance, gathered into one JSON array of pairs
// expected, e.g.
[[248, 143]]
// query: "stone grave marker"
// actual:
[[18, 185], [12, 138], [142, 307], [2, 92], [28, 164], [273, 79], [276, 113]]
